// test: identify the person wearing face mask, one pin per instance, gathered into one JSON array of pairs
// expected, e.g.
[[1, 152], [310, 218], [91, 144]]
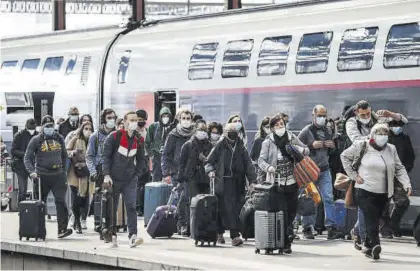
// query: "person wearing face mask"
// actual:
[[171, 160], [19, 145], [375, 177], [191, 173], [45, 159], [229, 163], [142, 133], [320, 142], [71, 123], [215, 130], [240, 128], [263, 132], [58, 121], [78, 174], [84, 118], [155, 140], [277, 164], [123, 165], [390, 222]]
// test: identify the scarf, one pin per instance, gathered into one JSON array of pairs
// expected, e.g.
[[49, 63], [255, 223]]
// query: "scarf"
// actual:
[[185, 132], [375, 146], [281, 143]]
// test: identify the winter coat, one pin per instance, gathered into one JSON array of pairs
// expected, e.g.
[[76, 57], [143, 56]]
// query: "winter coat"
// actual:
[[231, 190], [76, 149], [390, 156], [65, 128], [94, 150], [156, 138], [404, 149], [19, 145], [171, 155]]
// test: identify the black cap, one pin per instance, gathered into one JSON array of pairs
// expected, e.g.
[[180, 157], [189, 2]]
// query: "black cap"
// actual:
[[141, 114], [47, 119]]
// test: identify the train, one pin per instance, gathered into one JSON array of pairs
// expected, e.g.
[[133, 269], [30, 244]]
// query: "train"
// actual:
[[253, 62]]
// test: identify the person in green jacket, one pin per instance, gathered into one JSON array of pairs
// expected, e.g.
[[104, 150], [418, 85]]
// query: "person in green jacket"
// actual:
[[155, 140]]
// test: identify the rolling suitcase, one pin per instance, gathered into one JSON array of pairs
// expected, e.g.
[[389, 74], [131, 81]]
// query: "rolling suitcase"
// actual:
[[32, 218], [163, 220], [345, 218], [407, 221], [270, 231], [121, 216], [156, 194], [97, 209], [267, 197], [203, 217], [246, 218]]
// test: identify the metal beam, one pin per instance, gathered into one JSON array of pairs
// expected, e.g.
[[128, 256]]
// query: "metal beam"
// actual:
[[139, 10], [59, 14], [233, 4]]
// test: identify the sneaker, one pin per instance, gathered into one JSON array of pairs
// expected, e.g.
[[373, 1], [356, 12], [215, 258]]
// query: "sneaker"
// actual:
[[134, 241], [376, 251], [84, 225], [333, 234], [288, 250], [64, 233], [106, 235], [114, 241], [356, 239], [220, 239], [71, 221], [308, 234], [185, 232], [237, 241]]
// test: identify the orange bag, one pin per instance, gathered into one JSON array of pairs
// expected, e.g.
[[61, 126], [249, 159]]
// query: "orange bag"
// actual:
[[306, 172], [312, 191]]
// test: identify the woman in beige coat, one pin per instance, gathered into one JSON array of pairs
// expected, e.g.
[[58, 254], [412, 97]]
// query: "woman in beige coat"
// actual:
[[78, 174]]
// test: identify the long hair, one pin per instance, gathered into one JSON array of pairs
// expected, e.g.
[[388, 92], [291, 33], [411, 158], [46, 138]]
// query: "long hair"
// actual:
[[83, 116], [261, 133], [79, 133]]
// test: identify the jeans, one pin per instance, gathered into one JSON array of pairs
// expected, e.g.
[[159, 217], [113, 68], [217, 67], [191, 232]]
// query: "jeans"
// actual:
[[360, 226], [129, 194], [372, 205], [157, 168], [22, 184], [324, 185], [58, 185]]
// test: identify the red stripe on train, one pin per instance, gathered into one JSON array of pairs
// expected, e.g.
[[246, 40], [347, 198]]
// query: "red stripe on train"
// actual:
[[303, 88]]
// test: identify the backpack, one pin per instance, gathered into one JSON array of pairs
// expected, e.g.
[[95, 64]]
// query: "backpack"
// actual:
[[118, 135]]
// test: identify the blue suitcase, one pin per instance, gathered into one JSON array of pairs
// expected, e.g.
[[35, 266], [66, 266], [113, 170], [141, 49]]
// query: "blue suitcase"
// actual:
[[155, 194], [345, 218]]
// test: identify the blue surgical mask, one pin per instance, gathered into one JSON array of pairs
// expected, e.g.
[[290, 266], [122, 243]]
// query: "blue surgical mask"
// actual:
[[48, 131], [396, 130], [238, 125]]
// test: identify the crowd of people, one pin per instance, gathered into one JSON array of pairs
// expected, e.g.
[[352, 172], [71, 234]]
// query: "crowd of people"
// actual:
[[187, 151]]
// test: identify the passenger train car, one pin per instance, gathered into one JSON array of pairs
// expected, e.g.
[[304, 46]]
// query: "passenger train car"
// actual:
[[255, 62]]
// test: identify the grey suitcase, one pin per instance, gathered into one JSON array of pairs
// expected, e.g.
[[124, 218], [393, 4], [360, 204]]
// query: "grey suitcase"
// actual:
[[407, 221], [270, 231]]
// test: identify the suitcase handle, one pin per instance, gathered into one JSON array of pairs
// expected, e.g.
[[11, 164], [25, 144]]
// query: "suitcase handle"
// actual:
[[39, 188], [212, 184]]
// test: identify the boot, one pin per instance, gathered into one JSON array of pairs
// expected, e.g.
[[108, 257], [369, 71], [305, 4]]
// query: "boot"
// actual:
[[308, 234]]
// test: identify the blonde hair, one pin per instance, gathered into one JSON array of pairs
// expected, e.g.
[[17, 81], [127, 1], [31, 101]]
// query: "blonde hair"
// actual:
[[379, 127]]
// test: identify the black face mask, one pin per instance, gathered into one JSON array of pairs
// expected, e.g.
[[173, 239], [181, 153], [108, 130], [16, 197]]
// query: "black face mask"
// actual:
[[232, 135], [141, 124]]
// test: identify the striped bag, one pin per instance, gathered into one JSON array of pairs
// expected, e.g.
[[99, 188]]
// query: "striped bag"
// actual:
[[306, 171]]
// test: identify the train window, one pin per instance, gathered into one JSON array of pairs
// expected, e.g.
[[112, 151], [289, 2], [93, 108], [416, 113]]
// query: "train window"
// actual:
[[273, 56], [313, 52], [202, 61], [357, 49], [236, 58], [402, 46], [123, 67], [8, 64], [85, 70], [30, 64], [71, 64], [53, 63]]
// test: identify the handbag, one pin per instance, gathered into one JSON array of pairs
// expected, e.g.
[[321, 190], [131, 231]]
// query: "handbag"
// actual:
[[306, 204], [313, 192], [306, 171], [349, 200], [342, 182]]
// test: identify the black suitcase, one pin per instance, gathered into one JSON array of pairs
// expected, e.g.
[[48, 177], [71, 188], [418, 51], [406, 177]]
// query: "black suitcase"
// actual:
[[97, 209], [32, 218], [203, 217], [268, 197], [246, 218]]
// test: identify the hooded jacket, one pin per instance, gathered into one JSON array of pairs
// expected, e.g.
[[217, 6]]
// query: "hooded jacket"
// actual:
[[156, 138]]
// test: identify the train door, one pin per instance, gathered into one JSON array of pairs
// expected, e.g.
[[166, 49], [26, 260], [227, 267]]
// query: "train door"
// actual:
[[166, 98]]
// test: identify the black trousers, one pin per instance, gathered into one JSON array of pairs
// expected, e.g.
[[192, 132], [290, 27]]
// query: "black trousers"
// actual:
[[79, 204], [390, 221], [58, 185], [22, 183], [372, 205], [290, 208]]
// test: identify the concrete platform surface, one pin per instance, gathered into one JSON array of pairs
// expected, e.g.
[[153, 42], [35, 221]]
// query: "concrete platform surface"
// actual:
[[180, 253]]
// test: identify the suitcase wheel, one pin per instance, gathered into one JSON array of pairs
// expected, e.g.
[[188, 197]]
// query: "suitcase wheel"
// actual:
[[196, 242], [280, 251], [36, 239], [208, 243], [202, 243], [319, 232], [214, 244], [20, 238], [257, 251], [27, 238], [169, 236], [125, 229], [268, 252]]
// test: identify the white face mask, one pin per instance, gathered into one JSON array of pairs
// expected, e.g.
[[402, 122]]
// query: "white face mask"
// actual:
[[267, 131], [132, 126], [186, 123], [214, 136], [238, 125], [280, 132], [110, 124], [320, 121], [31, 132], [56, 127], [201, 135], [381, 140], [87, 133], [165, 120], [74, 118], [364, 121]]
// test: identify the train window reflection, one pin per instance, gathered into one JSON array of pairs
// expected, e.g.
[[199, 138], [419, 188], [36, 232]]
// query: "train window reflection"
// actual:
[[313, 52], [273, 56], [402, 48], [202, 61], [236, 58], [123, 67], [71, 64], [357, 49], [53, 63], [30, 64], [8, 64]]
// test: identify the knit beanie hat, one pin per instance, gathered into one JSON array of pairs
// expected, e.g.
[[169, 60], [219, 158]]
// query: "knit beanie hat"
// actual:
[[47, 119]]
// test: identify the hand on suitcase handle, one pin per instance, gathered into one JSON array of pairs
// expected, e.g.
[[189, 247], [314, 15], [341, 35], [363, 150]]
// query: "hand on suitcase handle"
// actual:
[[34, 175], [107, 182]]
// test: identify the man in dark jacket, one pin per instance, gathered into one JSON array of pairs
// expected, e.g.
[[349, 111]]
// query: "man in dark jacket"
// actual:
[[123, 164], [170, 162], [45, 159], [229, 163], [141, 133], [155, 140], [71, 123], [19, 145], [391, 223]]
